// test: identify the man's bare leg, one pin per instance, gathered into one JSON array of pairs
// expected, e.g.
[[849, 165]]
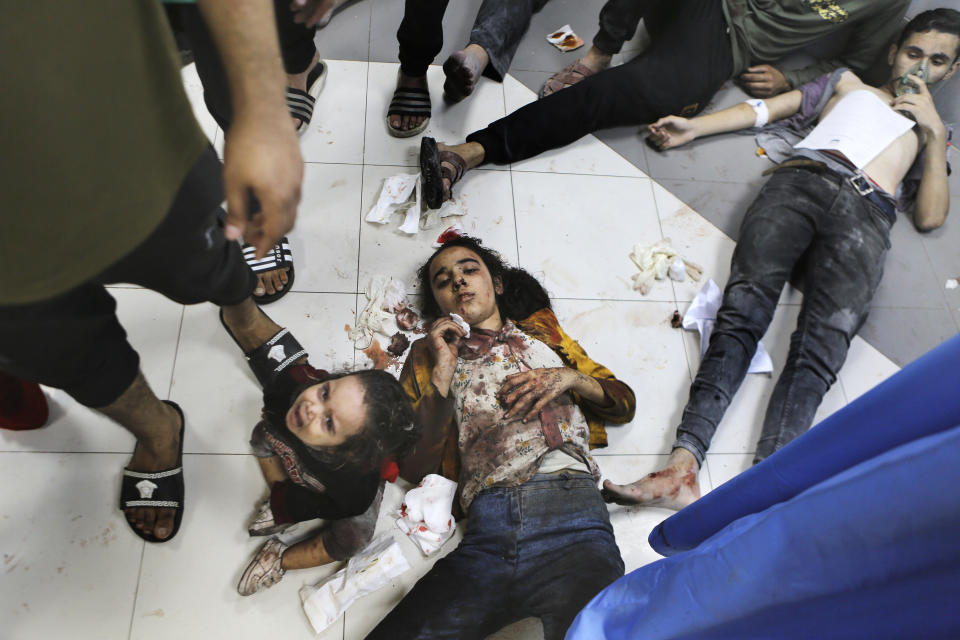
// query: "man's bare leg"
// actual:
[[156, 426], [249, 326], [673, 487]]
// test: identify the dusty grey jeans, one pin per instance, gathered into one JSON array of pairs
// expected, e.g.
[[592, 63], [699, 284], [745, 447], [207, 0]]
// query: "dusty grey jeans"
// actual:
[[498, 28], [842, 240]]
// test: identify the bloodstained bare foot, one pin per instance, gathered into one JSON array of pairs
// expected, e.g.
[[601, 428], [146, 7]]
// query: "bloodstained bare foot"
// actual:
[[673, 487]]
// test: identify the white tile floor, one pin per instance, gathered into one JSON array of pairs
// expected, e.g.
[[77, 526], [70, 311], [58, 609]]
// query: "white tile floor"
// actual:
[[71, 566]]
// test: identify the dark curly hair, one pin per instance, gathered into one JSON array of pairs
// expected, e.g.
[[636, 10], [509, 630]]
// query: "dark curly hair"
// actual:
[[942, 20], [388, 427], [522, 293]]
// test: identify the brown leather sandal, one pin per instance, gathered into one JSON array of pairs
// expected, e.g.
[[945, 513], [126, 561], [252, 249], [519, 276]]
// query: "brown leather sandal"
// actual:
[[433, 171], [566, 77]]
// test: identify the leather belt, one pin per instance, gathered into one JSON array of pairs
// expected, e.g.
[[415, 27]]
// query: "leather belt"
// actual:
[[860, 182]]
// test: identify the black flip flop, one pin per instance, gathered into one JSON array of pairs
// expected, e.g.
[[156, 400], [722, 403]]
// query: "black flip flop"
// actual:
[[162, 489], [409, 101], [300, 103], [271, 358], [281, 256]]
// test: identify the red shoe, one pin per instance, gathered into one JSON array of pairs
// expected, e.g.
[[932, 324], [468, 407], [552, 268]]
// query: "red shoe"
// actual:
[[22, 405]]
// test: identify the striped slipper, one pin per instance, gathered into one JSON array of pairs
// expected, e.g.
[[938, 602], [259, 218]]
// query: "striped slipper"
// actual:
[[409, 102], [301, 103], [281, 256]]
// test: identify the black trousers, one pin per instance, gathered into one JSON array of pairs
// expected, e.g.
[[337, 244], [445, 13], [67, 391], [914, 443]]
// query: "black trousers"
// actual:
[[498, 28], [296, 47], [74, 341], [678, 74]]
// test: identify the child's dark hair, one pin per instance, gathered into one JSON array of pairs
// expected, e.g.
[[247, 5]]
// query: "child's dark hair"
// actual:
[[522, 293], [388, 427], [943, 20]]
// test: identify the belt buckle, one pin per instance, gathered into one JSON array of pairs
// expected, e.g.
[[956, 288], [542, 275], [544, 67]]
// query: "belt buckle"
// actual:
[[861, 184]]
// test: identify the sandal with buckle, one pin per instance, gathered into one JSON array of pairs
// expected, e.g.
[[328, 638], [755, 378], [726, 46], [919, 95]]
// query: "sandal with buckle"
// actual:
[[433, 171], [566, 77]]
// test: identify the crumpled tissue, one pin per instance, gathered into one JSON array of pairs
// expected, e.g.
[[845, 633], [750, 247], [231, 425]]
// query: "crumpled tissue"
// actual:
[[426, 513], [658, 261], [395, 197], [374, 567], [384, 296], [460, 322], [702, 315]]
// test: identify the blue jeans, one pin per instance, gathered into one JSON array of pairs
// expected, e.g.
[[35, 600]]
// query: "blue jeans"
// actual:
[[544, 549], [819, 222]]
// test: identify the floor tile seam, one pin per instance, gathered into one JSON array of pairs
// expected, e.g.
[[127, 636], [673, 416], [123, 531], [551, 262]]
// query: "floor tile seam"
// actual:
[[513, 205], [176, 351], [410, 166], [136, 591], [309, 292], [587, 175], [943, 290]]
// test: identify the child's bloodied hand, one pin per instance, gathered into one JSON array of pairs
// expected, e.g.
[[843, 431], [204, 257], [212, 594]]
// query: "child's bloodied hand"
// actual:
[[526, 393]]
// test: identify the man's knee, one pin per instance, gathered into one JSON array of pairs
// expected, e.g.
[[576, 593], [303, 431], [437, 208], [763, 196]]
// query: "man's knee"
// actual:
[[747, 306]]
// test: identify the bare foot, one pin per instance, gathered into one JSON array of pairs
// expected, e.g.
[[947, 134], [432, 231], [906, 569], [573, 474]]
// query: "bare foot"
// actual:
[[463, 69], [673, 487], [472, 154], [250, 327], [408, 122], [269, 282]]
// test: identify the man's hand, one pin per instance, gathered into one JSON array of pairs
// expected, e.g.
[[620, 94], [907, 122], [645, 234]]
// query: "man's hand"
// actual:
[[528, 392], [670, 132], [313, 12], [261, 158], [763, 81], [920, 106]]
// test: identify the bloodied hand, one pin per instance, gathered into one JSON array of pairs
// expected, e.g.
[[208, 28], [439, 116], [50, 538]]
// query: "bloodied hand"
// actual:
[[528, 392]]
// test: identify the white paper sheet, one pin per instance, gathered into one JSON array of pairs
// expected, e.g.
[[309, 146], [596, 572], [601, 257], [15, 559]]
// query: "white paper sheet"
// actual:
[[394, 194], [371, 569], [702, 315], [859, 126]]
